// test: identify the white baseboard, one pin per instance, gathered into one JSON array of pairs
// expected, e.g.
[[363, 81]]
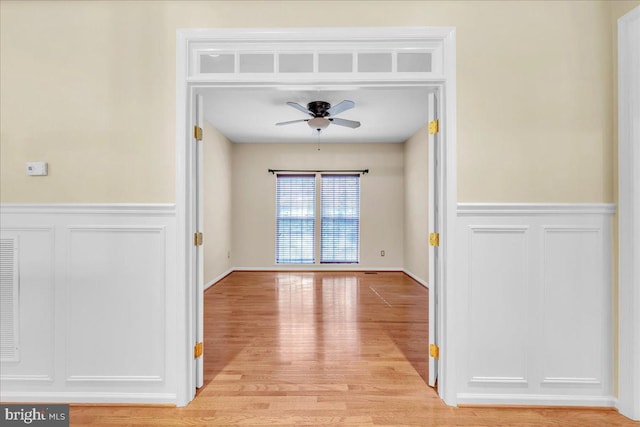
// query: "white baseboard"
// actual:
[[218, 278], [535, 400], [315, 267], [416, 278], [90, 397], [283, 269]]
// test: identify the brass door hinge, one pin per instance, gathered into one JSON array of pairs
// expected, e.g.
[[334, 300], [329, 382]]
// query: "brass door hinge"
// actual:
[[197, 133], [434, 127], [434, 351], [198, 239], [198, 350], [434, 239]]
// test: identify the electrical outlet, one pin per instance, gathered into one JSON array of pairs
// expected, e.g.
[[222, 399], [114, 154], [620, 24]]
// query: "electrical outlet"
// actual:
[[381, 253]]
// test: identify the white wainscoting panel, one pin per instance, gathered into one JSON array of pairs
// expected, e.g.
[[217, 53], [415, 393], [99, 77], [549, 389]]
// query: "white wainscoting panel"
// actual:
[[573, 276], [536, 281], [97, 314], [498, 271], [112, 284]]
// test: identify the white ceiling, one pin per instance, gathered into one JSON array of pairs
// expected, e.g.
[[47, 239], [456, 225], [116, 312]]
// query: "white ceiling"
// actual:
[[248, 115]]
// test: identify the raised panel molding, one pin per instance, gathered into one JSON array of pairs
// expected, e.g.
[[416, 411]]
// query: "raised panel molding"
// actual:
[[573, 278], [498, 380], [121, 262], [536, 281], [37, 378], [571, 381], [110, 272], [112, 378], [498, 277]]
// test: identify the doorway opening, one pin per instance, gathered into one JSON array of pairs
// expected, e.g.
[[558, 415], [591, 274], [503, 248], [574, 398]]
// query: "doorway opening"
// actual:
[[204, 66]]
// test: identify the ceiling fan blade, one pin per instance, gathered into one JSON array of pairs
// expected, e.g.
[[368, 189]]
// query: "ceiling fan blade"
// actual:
[[291, 121], [340, 107], [344, 122], [300, 107]]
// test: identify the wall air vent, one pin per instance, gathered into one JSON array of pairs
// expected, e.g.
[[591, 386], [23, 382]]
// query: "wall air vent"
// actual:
[[9, 310]]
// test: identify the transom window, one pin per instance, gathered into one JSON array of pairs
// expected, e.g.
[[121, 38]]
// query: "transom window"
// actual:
[[304, 221]]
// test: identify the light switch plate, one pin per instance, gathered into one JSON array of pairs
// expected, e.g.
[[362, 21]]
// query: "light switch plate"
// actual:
[[37, 168]]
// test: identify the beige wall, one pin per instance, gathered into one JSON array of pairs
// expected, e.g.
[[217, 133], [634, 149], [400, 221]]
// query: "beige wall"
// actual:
[[87, 87], [90, 88], [254, 194], [416, 205], [217, 203]]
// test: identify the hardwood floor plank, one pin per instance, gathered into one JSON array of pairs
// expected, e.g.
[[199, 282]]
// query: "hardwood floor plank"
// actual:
[[323, 349]]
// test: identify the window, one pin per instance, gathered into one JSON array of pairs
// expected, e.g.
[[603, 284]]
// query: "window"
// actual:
[[340, 235], [296, 219], [295, 216]]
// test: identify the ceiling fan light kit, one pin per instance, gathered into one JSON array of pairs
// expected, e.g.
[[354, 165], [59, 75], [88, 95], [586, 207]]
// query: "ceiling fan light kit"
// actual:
[[321, 113], [318, 123]]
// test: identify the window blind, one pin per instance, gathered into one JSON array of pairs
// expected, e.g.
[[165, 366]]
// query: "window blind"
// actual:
[[340, 229], [295, 216]]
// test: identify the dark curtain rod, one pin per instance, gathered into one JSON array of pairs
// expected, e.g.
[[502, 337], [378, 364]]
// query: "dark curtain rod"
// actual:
[[361, 171]]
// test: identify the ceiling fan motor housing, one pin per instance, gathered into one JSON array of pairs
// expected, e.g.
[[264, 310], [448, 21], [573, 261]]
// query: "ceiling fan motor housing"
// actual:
[[319, 108]]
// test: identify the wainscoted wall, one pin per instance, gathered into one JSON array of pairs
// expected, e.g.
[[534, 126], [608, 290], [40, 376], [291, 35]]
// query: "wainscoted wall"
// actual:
[[97, 315], [535, 287], [97, 303]]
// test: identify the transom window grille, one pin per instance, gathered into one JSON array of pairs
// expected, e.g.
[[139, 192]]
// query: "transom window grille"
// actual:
[[218, 62]]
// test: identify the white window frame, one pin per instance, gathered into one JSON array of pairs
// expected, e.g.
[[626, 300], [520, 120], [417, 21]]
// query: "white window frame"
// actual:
[[321, 219], [318, 222], [314, 251]]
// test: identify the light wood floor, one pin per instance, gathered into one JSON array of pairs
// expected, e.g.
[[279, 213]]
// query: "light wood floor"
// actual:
[[313, 349]]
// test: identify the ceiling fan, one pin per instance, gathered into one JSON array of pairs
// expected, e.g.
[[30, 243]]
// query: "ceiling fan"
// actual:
[[322, 114]]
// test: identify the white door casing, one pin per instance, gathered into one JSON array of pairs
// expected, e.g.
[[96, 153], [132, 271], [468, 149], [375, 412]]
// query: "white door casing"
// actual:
[[199, 228], [629, 214], [192, 43], [433, 212]]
